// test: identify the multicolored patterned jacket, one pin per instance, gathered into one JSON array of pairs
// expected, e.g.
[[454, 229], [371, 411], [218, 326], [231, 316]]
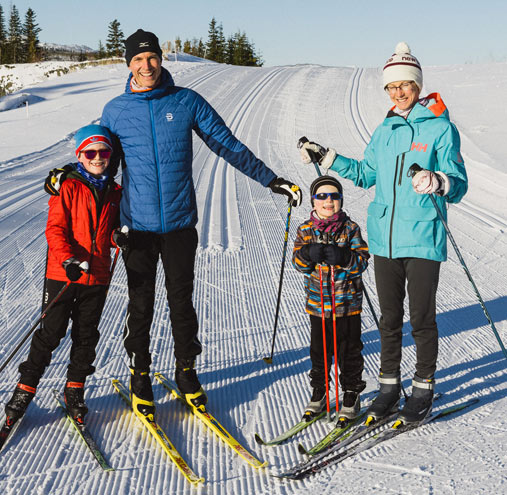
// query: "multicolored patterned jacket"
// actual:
[[347, 279]]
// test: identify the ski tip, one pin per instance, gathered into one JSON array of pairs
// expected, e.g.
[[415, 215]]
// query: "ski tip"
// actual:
[[302, 450], [268, 360], [259, 440]]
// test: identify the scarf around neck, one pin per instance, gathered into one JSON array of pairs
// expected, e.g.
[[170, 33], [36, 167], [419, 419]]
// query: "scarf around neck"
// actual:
[[98, 181], [331, 225]]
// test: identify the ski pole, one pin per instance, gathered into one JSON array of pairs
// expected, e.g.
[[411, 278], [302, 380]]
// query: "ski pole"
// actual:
[[412, 171], [269, 359], [333, 308], [324, 343], [34, 326]]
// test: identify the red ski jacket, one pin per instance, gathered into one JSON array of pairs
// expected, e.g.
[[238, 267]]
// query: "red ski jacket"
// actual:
[[78, 228]]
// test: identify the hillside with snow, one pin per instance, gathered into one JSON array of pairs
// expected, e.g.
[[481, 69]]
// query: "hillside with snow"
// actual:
[[241, 232]]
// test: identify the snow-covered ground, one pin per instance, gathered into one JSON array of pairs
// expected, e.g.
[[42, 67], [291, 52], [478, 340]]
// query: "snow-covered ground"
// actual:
[[237, 271]]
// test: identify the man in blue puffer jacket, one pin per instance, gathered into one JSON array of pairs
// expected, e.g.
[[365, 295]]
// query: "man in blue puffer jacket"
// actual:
[[153, 123], [404, 232]]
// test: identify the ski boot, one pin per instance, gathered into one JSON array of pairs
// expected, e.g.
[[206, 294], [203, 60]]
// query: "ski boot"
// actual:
[[316, 405], [350, 406], [189, 385], [73, 395], [16, 407], [141, 393], [388, 398], [420, 403]]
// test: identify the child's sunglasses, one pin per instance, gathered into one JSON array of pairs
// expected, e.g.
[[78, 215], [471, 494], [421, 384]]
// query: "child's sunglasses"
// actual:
[[91, 154], [335, 196]]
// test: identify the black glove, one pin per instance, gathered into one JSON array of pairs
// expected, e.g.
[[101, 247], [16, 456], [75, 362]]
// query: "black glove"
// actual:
[[335, 255], [282, 186], [121, 239], [55, 179], [74, 268], [313, 252]]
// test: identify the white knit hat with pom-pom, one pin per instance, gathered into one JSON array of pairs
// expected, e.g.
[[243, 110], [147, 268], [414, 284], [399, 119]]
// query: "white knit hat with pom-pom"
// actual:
[[402, 66]]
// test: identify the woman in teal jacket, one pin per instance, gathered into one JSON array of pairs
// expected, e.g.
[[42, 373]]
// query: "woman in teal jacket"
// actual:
[[405, 235]]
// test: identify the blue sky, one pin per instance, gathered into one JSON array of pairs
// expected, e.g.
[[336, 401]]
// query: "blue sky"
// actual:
[[328, 32]]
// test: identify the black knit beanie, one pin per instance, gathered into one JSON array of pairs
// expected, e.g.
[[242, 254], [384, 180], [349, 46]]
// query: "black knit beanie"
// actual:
[[140, 42], [325, 180]]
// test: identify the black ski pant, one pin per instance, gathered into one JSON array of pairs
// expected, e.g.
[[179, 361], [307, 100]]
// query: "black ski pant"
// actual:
[[349, 347], [421, 279], [83, 305], [177, 251]]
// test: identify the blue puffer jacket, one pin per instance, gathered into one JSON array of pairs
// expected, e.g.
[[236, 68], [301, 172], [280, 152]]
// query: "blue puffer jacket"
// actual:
[[155, 132], [402, 223]]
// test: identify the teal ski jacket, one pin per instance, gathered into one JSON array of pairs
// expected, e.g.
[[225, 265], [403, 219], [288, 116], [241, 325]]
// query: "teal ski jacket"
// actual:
[[402, 223]]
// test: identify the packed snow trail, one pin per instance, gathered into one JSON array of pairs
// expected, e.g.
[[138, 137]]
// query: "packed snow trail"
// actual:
[[241, 231]]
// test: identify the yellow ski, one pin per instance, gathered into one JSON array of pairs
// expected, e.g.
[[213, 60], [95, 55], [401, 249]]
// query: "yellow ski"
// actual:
[[159, 435], [212, 423]]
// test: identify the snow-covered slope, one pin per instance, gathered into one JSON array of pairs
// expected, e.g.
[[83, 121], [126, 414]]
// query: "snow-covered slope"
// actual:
[[241, 232]]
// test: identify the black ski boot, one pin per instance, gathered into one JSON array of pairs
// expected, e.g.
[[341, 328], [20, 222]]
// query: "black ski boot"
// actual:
[[73, 394], [420, 403], [350, 406], [317, 403], [388, 398], [188, 383], [141, 393], [21, 398]]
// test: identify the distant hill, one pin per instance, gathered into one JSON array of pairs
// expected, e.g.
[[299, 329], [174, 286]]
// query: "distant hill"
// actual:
[[54, 51]]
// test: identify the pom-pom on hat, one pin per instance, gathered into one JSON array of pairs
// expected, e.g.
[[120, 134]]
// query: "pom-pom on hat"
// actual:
[[92, 134], [325, 180], [402, 66], [140, 42]]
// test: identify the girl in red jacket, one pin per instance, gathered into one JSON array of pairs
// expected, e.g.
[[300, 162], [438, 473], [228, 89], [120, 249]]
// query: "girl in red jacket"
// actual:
[[79, 231]]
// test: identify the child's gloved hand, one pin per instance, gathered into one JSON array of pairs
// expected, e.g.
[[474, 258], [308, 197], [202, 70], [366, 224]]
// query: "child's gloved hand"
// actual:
[[313, 252], [336, 255], [75, 268]]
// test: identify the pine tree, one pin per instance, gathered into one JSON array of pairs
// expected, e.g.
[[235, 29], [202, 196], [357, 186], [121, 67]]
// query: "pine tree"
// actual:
[[115, 41], [177, 44], [14, 50], [31, 40], [212, 45], [101, 52], [221, 44], [3, 36], [187, 46]]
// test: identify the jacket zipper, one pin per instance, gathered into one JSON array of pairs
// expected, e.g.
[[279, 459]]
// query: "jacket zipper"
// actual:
[[401, 169], [98, 208], [155, 150], [392, 211]]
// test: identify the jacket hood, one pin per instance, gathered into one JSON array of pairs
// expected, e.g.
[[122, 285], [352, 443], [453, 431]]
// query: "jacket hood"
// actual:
[[166, 81]]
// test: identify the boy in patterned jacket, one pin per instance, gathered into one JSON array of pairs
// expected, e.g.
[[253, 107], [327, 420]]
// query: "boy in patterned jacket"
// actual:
[[79, 232], [328, 238]]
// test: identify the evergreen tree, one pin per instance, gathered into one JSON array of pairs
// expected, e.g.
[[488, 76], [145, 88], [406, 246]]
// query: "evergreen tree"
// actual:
[[115, 41], [201, 49], [187, 46], [101, 52], [212, 45], [177, 44], [3, 36], [31, 40], [15, 38], [221, 44]]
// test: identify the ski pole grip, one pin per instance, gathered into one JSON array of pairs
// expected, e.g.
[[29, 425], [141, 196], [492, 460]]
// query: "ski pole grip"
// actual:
[[311, 154], [414, 168]]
